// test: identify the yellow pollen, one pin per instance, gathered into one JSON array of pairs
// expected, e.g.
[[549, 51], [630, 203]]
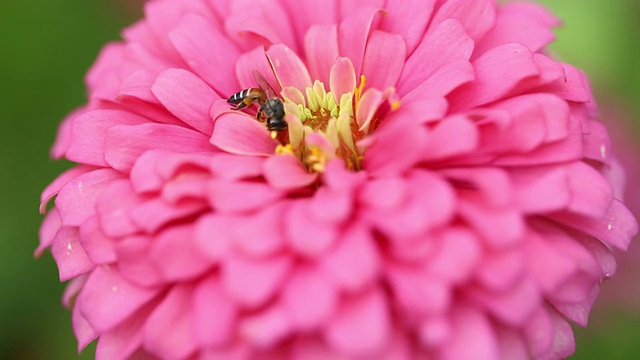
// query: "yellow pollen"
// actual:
[[284, 149], [316, 159]]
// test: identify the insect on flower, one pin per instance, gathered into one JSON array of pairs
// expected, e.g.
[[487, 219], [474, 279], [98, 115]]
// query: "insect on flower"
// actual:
[[271, 110]]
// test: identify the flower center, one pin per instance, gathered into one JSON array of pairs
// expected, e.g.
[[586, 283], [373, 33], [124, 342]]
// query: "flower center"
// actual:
[[322, 127]]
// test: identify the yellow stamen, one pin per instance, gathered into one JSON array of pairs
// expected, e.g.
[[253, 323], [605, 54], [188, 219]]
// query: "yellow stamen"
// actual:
[[284, 149]]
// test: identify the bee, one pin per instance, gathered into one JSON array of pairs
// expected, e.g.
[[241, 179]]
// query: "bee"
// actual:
[[271, 110]]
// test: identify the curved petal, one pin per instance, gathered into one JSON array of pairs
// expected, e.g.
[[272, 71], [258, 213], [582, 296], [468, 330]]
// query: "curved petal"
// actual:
[[529, 24], [107, 299], [342, 79], [498, 73], [287, 173], [477, 17], [321, 50], [89, 131], [252, 282], [239, 134], [362, 325], [169, 329], [288, 67], [445, 44], [207, 52], [377, 56], [397, 13], [353, 33], [125, 143], [187, 97]]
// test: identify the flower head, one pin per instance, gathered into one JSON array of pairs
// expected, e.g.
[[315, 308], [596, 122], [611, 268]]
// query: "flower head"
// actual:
[[438, 191]]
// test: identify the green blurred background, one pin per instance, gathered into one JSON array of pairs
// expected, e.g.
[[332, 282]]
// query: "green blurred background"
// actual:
[[47, 46]]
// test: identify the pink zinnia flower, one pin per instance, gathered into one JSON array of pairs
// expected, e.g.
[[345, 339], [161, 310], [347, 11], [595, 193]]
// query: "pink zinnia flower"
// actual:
[[438, 193]]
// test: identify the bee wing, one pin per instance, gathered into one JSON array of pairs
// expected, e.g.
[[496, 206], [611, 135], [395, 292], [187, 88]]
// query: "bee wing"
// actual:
[[264, 85]]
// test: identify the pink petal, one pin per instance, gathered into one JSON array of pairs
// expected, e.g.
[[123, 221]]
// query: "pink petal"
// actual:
[[513, 307], [89, 134], [397, 13], [113, 209], [81, 328], [525, 23], [501, 270], [566, 150], [367, 108], [347, 7], [266, 328], [353, 33], [70, 257], [361, 326], [540, 190], [573, 86], [447, 43], [472, 337], [477, 17], [264, 237], [76, 199], [208, 52], [417, 293], [539, 333], [376, 56], [217, 314], [286, 172], [387, 155], [428, 202], [305, 235], [321, 49], [107, 299], [169, 329], [241, 196], [289, 68], [342, 78], [124, 144], [458, 255], [236, 167], [134, 263], [152, 214], [124, 340], [213, 236], [453, 136], [309, 14], [578, 313], [238, 133], [597, 145], [99, 247], [176, 256], [309, 299], [340, 203], [102, 78], [617, 227], [257, 60], [354, 262], [187, 97], [498, 72], [499, 227], [445, 80], [252, 24], [63, 135], [492, 184], [48, 230], [592, 193], [252, 282], [564, 344]]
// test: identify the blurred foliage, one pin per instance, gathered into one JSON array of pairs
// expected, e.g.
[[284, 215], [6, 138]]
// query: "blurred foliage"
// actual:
[[47, 46]]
